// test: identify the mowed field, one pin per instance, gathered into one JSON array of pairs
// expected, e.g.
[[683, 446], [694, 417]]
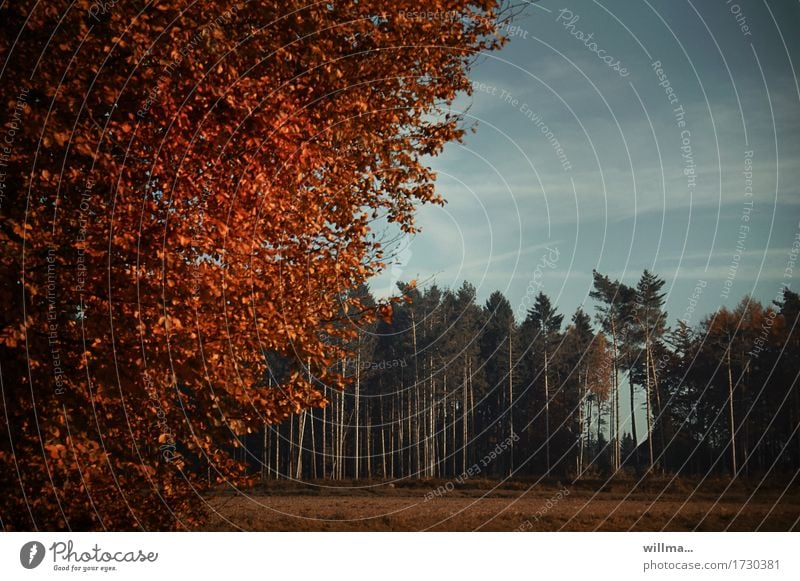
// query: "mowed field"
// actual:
[[493, 506]]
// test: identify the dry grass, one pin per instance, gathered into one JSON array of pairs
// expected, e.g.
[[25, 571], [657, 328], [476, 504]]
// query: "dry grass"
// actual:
[[483, 505]]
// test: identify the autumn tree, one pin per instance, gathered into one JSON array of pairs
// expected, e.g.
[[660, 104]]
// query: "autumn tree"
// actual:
[[193, 188], [600, 381]]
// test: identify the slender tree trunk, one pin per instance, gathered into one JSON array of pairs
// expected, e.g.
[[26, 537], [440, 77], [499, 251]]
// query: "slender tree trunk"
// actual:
[[581, 423], [399, 435], [648, 387], [291, 470], [431, 437], [615, 401], [633, 417], [546, 414], [430, 433], [730, 409], [464, 427], [324, 442], [443, 456], [368, 439], [510, 403], [277, 451], [658, 413], [409, 435], [383, 441], [599, 423], [416, 434], [301, 421], [471, 404], [589, 412], [397, 403], [340, 465], [313, 448], [357, 463], [454, 434]]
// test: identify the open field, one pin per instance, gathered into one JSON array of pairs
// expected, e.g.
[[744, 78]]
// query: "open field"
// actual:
[[487, 506]]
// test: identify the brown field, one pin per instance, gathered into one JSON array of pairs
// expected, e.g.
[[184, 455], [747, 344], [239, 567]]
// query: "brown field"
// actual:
[[484, 505]]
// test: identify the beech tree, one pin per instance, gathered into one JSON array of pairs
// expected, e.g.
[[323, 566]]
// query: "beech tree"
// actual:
[[193, 190]]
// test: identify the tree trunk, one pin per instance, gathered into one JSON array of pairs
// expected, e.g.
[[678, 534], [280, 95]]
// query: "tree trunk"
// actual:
[[581, 422], [730, 408], [510, 404], [324, 442], [416, 434], [368, 439], [383, 441], [658, 413], [301, 421], [464, 428], [615, 399], [648, 387], [546, 414], [357, 462], [633, 417]]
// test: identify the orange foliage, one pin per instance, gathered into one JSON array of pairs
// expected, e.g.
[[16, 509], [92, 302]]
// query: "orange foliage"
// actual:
[[193, 188]]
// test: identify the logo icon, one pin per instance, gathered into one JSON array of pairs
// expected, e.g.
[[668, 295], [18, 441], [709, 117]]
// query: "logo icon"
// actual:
[[32, 554]]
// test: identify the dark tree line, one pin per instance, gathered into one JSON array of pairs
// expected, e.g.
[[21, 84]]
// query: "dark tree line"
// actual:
[[449, 383]]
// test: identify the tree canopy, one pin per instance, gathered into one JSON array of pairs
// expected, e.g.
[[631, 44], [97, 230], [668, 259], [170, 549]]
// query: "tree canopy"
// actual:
[[191, 194]]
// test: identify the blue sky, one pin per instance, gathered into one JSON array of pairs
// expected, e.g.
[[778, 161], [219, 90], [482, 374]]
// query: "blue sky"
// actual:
[[616, 197]]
